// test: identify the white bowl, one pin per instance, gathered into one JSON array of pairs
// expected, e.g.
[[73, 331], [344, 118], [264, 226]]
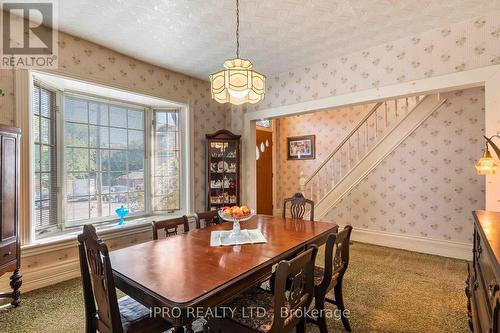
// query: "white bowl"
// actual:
[[231, 218]]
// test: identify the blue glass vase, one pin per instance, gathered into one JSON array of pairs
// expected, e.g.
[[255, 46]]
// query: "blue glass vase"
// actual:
[[121, 212]]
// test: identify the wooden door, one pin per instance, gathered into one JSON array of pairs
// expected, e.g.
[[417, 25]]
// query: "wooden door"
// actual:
[[264, 145]]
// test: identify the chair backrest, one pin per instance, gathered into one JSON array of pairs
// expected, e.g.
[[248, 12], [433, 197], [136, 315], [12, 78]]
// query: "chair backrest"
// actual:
[[337, 255], [170, 226], [209, 218], [293, 290], [298, 206], [101, 305]]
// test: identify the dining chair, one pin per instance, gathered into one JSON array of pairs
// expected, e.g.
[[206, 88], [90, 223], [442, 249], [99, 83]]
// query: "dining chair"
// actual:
[[170, 226], [105, 313], [298, 206], [284, 309], [331, 276], [209, 218]]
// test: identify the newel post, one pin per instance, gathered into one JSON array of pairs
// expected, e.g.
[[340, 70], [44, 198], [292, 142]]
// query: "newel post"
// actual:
[[302, 182]]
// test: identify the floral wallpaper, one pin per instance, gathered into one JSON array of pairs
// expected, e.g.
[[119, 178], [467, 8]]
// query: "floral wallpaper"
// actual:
[[427, 186], [463, 46], [97, 63]]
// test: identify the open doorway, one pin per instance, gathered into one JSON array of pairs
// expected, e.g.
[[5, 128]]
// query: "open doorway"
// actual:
[[264, 167]]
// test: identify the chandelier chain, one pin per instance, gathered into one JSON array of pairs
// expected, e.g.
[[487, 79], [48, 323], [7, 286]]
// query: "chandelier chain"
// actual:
[[237, 29]]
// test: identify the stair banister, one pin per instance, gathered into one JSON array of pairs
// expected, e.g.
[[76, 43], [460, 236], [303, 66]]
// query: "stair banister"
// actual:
[[365, 118]]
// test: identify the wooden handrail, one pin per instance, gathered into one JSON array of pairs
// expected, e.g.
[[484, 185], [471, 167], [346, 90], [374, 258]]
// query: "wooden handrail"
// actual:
[[365, 118]]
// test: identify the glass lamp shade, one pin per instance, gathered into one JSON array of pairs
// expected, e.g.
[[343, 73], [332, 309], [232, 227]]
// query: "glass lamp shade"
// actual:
[[238, 83], [486, 164]]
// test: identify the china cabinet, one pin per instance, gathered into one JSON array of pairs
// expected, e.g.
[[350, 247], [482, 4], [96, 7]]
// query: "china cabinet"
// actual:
[[223, 169]]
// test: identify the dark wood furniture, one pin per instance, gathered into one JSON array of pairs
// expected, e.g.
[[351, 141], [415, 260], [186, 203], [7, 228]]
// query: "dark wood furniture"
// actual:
[[293, 291], [223, 169], [208, 218], [298, 206], [184, 271], [482, 285], [170, 226], [331, 276], [103, 312], [10, 251]]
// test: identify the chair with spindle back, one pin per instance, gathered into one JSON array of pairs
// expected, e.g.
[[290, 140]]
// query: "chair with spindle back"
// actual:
[[331, 276], [209, 218], [104, 313], [298, 207], [170, 226], [284, 309]]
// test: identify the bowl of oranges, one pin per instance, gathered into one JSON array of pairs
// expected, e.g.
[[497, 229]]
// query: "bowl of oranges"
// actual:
[[236, 213]]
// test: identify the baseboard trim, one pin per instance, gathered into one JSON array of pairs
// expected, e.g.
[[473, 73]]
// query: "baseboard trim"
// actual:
[[50, 274], [442, 248]]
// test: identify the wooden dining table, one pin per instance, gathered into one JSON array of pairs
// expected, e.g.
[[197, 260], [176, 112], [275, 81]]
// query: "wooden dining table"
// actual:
[[183, 272]]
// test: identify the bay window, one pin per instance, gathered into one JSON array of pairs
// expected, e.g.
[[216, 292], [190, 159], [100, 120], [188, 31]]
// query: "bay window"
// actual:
[[93, 155]]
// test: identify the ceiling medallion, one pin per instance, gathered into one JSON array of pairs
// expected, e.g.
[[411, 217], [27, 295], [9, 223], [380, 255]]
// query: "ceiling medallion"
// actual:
[[238, 83]]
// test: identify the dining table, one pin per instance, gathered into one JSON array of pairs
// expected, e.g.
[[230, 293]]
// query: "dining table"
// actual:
[[181, 273]]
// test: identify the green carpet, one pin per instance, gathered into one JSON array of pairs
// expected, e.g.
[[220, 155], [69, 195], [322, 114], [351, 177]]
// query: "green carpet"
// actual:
[[386, 290]]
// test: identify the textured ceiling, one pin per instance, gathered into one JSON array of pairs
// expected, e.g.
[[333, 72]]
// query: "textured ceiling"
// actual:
[[196, 36]]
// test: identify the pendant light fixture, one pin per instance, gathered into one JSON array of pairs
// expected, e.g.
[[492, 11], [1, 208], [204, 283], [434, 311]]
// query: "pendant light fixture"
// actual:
[[238, 83]]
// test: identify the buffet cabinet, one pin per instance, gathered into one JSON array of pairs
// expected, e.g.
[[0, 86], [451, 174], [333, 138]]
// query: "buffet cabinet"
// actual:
[[223, 169], [9, 212], [482, 285]]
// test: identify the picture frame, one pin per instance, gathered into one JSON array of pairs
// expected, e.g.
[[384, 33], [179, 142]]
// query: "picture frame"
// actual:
[[301, 147]]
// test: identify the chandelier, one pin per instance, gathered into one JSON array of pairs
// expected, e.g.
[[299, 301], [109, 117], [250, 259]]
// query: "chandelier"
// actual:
[[238, 83]]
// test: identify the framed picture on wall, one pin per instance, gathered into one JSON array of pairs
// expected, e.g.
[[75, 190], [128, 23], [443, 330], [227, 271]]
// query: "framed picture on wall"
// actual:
[[301, 147]]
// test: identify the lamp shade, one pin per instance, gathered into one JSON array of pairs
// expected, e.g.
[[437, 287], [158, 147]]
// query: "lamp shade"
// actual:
[[238, 83], [486, 164]]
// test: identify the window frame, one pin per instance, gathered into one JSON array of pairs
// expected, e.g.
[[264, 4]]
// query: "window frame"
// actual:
[[66, 225], [63, 225]]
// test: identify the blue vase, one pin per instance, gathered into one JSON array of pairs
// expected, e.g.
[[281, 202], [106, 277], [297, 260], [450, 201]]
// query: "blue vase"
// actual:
[[121, 212]]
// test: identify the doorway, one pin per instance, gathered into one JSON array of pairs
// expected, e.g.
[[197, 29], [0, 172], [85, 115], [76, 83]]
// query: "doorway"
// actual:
[[264, 157]]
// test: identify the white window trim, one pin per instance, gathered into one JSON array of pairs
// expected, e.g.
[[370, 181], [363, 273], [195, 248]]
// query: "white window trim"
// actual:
[[24, 82]]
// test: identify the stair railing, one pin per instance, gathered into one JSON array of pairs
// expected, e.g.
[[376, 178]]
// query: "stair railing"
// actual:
[[356, 145]]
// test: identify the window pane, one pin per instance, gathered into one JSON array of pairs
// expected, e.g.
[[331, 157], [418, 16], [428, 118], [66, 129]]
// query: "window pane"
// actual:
[[93, 138], [166, 188], [44, 158], [104, 137], [135, 119], [135, 160], [36, 129], [117, 116], [118, 138], [46, 103], [77, 209], [98, 113], [36, 100], [118, 160], [77, 159], [104, 158], [135, 139], [136, 202], [76, 110], [77, 184], [45, 135], [77, 135], [44, 177]]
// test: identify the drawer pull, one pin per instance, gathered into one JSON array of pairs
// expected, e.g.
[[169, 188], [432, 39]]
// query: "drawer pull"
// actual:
[[7, 254]]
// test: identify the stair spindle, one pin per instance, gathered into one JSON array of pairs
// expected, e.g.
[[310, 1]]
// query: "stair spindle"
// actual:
[[396, 108], [385, 111]]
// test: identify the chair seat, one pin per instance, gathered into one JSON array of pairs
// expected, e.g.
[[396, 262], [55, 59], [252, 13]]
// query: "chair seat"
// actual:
[[136, 318], [252, 299]]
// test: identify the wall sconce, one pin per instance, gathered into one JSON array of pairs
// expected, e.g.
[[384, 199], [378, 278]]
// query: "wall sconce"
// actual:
[[487, 164]]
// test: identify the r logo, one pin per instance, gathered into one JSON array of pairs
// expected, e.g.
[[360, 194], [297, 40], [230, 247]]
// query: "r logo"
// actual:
[[27, 28]]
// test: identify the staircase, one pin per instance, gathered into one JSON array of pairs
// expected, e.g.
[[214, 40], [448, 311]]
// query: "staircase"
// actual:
[[383, 129]]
